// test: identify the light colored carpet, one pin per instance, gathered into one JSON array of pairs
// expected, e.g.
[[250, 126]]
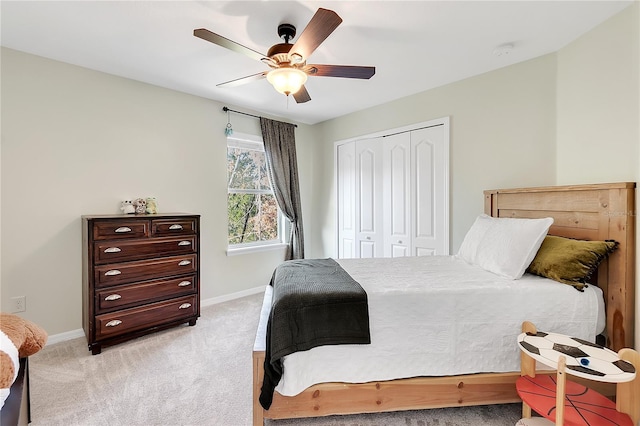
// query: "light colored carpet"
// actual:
[[190, 376]]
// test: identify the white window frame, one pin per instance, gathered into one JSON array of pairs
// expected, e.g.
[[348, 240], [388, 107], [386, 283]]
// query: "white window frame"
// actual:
[[252, 142]]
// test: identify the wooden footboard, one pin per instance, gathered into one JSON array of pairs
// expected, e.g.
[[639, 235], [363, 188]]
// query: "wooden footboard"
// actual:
[[258, 372], [384, 396]]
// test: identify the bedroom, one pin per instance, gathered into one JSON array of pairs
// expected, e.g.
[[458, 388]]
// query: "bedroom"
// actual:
[[553, 106]]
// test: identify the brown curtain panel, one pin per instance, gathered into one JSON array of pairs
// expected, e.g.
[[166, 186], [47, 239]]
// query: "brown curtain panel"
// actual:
[[280, 149]]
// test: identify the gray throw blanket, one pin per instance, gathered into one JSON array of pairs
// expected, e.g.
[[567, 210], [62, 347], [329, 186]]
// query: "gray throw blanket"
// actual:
[[315, 303]]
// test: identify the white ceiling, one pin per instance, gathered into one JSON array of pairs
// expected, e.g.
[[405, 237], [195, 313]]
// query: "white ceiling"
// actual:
[[414, 45]]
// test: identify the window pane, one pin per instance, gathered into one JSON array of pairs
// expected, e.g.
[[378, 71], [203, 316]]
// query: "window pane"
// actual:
[[247, 169], [251, 206], [252, 218], [268, 217], [265, 183], [242, 170]]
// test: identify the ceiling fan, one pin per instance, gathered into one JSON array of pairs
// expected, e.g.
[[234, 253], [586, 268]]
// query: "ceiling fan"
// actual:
[[288, 62]]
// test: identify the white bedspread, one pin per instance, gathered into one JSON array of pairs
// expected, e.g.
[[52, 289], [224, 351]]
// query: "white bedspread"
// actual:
[[436, 316]]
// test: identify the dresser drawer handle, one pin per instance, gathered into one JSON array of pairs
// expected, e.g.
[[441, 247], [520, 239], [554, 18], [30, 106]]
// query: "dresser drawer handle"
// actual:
[[112, 250], [184, 243], [112, 272], [185, 306], [123, 229], [175, 227], [113, 323], [113, 297], [184, 263], [184, 283]]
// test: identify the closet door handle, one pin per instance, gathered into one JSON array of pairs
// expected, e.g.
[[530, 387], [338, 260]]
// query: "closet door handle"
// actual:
[[184, 283], [185, 306], [112, 250], [112, 272], [123, 229], [175, 227], [113, 323], [113, 297], [184, 243], [184, 263]]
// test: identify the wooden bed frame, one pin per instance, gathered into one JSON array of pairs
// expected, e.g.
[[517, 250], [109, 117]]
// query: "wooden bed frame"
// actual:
[[590, 212]]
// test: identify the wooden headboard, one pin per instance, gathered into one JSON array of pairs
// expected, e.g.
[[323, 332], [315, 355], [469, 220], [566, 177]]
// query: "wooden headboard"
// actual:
[[587, 212]]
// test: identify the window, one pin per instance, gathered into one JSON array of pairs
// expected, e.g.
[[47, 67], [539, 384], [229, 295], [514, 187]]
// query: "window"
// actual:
[[254, 219]]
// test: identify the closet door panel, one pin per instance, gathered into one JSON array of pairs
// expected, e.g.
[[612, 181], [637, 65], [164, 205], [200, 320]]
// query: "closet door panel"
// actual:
[[396, 195], [424, 191], [368, 213], [425, 252], [347, 201], [429, 181], [369, 198]]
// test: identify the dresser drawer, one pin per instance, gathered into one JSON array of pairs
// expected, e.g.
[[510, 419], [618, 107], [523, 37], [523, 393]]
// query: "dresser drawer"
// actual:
[[150, 291], [176, 226], [123, 273], [109, 230], [119, 251], [121, 322]]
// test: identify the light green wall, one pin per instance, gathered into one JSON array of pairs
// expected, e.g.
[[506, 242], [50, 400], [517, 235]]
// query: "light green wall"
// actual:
[[598, 85], [76, 141], [502, 135], [598, 136]]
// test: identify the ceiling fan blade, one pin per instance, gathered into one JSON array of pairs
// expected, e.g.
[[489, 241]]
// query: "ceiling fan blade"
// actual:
[[344, 71], [244, 80], [226, 43], [323, 23], [302, 96]]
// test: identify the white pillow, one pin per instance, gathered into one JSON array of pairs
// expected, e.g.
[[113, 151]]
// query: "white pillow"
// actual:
[[504, 246]]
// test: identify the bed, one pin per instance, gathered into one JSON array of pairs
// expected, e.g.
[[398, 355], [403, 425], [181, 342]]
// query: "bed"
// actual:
[[587, 212]]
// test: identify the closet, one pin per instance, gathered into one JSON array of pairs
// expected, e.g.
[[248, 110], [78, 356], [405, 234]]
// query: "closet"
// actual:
[[393, 192]]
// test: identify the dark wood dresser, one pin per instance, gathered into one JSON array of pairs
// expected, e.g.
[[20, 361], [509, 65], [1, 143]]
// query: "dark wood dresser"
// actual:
[[140, 273]]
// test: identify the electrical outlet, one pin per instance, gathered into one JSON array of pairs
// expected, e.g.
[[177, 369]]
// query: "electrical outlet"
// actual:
[[19, 304]]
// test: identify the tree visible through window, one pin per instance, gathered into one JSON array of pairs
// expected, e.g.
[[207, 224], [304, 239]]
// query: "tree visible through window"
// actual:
[[251, 205]]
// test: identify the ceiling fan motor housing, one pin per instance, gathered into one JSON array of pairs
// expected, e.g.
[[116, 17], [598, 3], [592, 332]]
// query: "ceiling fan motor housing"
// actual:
[[280, 49], [287, 32], [280, 52]]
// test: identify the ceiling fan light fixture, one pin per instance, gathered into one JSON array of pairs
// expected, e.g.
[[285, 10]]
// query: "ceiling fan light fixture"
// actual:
[[287, 80], [296, 58]]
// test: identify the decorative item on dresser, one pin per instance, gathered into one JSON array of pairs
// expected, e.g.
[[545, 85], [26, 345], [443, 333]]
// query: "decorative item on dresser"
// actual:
[[139, 274]]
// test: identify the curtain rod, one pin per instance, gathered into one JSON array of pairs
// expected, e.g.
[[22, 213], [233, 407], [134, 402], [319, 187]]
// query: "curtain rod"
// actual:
[[225, 109]]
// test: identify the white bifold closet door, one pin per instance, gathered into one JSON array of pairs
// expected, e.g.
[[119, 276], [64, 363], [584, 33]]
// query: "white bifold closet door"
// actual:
[[393, 195], [396, 195]]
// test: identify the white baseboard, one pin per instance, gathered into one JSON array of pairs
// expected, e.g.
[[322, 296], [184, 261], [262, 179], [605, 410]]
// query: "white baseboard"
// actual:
[[74, 334], [232, 296], [63, 337]]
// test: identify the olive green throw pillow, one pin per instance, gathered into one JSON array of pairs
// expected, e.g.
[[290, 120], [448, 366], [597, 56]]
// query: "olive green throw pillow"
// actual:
[[570, 261]]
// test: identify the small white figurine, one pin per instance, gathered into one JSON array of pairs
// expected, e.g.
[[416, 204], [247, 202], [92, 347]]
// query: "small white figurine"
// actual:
[[127, 207]]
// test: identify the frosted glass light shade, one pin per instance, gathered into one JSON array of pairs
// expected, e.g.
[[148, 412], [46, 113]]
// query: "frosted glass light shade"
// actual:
[[287, 80]]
